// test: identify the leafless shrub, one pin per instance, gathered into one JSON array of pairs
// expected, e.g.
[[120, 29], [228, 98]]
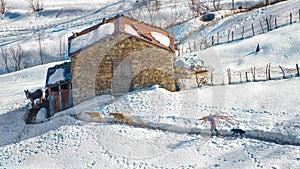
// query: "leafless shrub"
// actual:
[[136, 13], [17, 55], [36, 5], [198, 7], [201, 77], [40, 49], [173, 18], [62, 47], [3, 8], [152, 8], [4, 55], [217, 5]]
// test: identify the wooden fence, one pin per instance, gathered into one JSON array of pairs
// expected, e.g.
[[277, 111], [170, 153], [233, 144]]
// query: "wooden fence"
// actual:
[[259, 27], [253, 74]]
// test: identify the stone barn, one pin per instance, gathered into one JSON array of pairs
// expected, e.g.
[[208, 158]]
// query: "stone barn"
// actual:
[[119, 55]]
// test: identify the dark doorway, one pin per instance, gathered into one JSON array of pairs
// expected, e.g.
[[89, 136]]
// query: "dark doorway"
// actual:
[[122, 77]]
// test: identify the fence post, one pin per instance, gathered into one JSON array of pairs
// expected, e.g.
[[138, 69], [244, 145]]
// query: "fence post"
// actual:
[[229, 75], [262, 28], [282, 71], [270, 22], [240, 76], [243, 32], [232, 36], [217, 37], [190, 47], [269, 71], [253, 73], [200, 46], [212, 41], [211, 78], [228, 36], [253, 33], [276, 23], [297, 67], [268, 26], [195, 45], [299, 14], [291, 18], [246, 73]]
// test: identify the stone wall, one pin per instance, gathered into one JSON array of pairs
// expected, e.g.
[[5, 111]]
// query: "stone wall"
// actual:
[[84, 65], [147, 60], [92, 67]]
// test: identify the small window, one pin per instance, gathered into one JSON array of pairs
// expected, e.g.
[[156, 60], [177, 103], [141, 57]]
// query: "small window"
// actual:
[[65, 86], [54, 89]]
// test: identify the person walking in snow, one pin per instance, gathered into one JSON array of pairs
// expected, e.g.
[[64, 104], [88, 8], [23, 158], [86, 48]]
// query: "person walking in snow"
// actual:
[[213, 126], [212, 118]]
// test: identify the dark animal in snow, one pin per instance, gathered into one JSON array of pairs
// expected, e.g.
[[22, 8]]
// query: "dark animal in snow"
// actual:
[[237, 132], [38, 94]]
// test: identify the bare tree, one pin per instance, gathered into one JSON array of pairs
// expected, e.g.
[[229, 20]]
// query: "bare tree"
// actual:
[[36, 5], [200, 80], [174, 17], [198, 7], [152, 8], [62, 47], [4, 55], [3, 8], [217, 6], [136, 13], [17, 55], [40, 49]]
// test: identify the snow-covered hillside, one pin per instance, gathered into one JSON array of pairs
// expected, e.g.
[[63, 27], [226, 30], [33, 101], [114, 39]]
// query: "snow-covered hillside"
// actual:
[[60, 19], [173, 137], [267, 110]]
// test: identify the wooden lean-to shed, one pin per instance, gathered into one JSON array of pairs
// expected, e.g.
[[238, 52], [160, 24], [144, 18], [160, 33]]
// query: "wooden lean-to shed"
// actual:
[[119, 55], [59, 86]]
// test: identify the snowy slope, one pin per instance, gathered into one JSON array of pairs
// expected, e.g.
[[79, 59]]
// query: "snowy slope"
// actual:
[[14, 84], [75, 144], [172, 137], [235, 23], [277, 47], [60, 19]]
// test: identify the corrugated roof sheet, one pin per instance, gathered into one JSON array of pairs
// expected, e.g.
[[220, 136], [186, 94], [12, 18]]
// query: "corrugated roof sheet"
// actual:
[[52, 70]]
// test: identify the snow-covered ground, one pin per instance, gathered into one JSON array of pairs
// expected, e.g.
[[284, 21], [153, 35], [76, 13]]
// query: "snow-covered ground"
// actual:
[[60, 19], [173, 136], [266, 110]]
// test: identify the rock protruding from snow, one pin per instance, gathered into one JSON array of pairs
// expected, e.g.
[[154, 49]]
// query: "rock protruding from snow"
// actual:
[[41, 115], [208, 17]]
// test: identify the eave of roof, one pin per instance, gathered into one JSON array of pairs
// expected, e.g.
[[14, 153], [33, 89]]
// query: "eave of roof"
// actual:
[[143, 30]]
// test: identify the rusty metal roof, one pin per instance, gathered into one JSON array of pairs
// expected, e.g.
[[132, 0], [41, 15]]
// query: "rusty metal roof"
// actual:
[[136, 29], [54, 76]]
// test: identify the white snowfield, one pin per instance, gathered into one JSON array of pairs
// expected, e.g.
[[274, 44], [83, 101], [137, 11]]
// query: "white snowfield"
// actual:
[[266, 110], [173, 137]]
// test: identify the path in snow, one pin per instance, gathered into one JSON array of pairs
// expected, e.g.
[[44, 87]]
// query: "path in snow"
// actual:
[[260, 135]]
